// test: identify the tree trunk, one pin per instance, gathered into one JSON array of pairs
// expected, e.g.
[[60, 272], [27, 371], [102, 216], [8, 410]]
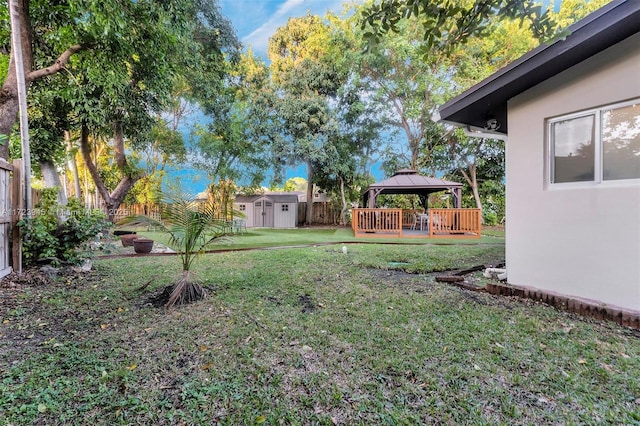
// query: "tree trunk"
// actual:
[[343, 199], [9, 103], [52, 180], [73, 166], [129, 178], [309, 212], [472, 180]]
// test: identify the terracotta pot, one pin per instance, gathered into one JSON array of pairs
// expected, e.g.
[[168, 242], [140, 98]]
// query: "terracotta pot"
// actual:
[[142, 245], [127, 240]]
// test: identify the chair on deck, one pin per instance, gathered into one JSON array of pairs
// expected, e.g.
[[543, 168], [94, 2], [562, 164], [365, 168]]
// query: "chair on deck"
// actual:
[[424, 221], [415, 221]]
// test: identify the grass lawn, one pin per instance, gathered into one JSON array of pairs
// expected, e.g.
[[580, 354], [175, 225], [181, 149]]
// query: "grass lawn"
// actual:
[[306, 336], [269, 237]]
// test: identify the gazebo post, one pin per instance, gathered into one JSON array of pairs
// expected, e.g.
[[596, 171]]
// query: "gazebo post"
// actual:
[[424, 201]]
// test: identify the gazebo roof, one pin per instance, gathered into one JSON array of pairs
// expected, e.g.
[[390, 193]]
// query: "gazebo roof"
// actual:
[[407, 179]]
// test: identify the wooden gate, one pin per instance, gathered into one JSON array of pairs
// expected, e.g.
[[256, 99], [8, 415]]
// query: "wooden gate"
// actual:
[[5, 217]]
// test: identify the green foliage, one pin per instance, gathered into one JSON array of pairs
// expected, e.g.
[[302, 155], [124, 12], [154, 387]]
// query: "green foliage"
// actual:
[[191, 224], [307, 76], [493, 205], [446, 25], [45, 236], [399, 201]]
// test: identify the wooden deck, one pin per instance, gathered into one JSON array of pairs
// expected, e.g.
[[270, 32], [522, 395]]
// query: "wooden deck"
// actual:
[[399, 223]]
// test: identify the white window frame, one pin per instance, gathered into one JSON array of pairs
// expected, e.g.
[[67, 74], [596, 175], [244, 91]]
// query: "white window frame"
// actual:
[[598, 148]]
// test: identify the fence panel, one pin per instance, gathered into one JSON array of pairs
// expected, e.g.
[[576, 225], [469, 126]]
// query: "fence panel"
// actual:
[[126, 210], [324, 213], [5, 218]]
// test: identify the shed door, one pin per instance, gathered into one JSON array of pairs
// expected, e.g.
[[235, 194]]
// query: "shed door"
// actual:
[[263, 214]]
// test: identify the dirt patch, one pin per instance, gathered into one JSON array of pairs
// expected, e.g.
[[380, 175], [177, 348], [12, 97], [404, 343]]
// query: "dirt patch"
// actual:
[[33, 314], [307, 304], [159, 298], [15, 286], [33, 282]]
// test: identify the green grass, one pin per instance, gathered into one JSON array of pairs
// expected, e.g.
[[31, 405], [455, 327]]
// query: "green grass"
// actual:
[[268, 237], [308, 336]]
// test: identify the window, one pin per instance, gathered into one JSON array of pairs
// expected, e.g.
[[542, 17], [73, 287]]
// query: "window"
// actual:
[[597, 145], [285, 207], [242, 207], [621, 142]]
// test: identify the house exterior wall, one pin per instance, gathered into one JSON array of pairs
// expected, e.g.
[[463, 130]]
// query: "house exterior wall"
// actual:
[[287, 218], [576, 240]]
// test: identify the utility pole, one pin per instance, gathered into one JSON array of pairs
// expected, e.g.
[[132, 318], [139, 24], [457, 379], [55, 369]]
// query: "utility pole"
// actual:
[[16, 49]]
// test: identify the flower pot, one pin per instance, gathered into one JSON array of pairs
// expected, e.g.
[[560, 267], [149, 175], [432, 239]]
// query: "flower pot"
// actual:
[[127, 239], [142, 245]]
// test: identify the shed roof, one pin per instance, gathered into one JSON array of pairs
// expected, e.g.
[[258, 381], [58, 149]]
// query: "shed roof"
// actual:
[[487, 100], [274, 197]]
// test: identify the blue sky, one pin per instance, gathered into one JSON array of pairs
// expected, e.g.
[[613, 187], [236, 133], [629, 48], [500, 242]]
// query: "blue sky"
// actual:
[[256, 20]]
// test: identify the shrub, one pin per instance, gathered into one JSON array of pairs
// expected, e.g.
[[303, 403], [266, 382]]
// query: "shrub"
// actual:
[[56, 234], [489, 217]]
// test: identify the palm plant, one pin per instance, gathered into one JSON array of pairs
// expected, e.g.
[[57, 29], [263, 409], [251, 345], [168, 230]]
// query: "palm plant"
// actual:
[[191, 225]]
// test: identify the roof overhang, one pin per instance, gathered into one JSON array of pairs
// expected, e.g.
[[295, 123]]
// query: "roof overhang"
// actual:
[[484, 106]]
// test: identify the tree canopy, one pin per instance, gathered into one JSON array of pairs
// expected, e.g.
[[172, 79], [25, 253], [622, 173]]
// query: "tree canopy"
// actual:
[[114, 80]]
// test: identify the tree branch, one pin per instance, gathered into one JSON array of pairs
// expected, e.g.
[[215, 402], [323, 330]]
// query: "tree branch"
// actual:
[[57, 66]]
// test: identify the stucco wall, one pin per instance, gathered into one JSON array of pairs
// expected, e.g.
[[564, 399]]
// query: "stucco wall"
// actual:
[[583, 240]]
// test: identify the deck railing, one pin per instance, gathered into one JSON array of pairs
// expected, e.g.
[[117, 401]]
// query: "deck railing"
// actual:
[[444, 223], [377, 222]]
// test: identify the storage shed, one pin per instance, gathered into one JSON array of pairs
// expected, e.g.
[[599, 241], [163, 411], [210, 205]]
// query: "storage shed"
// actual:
[[268, 210]]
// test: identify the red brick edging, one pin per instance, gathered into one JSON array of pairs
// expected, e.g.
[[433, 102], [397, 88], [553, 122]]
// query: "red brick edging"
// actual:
[[580, 306]]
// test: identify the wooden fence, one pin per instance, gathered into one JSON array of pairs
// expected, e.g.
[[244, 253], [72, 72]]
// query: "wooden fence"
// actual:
[[6, 217], [324, 213], [126, 210]]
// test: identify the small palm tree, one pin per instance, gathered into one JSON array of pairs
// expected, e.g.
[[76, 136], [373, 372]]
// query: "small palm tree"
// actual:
[[191, 224]]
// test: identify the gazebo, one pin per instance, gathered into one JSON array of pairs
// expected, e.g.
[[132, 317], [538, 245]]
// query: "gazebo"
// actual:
[[407, 181], [428, 222]]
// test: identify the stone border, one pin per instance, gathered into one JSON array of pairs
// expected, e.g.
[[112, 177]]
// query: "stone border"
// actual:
[[584, 307]]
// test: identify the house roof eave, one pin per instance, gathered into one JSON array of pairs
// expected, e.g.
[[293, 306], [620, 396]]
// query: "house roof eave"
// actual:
[[484, 105]]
